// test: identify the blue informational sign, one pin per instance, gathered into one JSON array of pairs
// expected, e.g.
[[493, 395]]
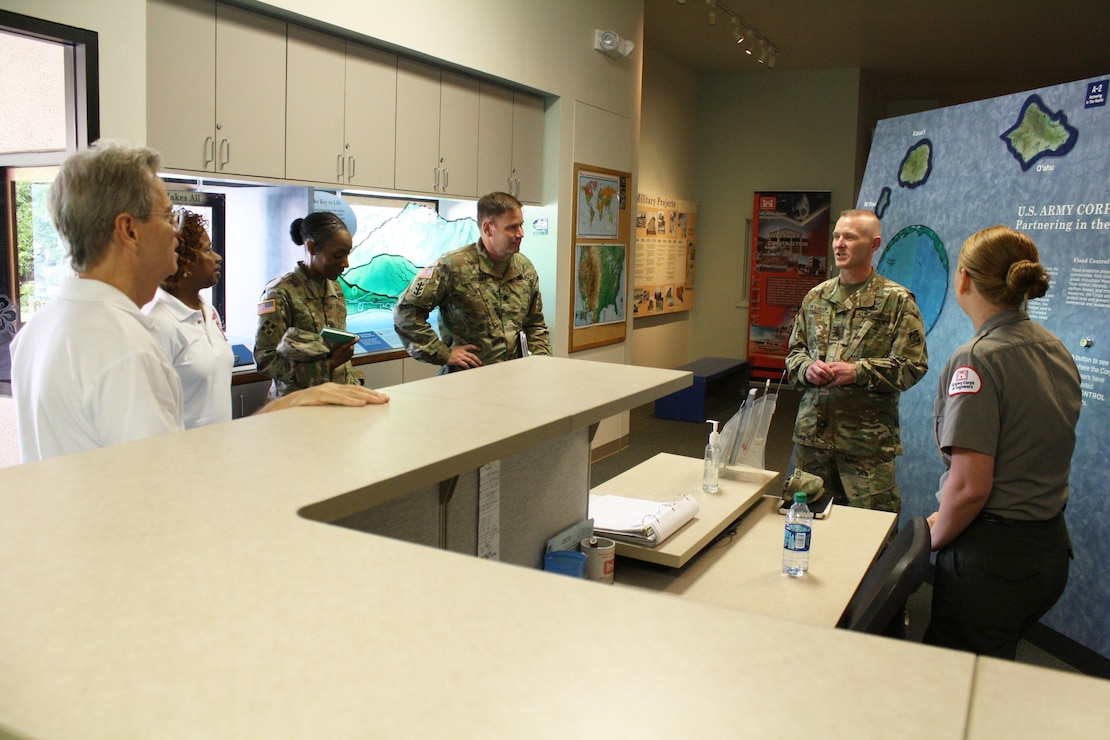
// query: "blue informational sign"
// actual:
[[1036, 162]]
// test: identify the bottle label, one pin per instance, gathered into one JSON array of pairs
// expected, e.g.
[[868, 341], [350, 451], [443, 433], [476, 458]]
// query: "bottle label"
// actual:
[[796, 538]]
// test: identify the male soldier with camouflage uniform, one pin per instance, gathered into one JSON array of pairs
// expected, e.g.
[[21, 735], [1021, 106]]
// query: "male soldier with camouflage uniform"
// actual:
[[488, 296], [857, 342]]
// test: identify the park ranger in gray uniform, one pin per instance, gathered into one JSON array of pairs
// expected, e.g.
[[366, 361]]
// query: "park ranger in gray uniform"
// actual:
[[488, 296], [857, 342]]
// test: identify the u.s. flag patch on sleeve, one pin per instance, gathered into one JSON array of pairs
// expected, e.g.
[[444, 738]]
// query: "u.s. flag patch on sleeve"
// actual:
[[964, 381], [426, 273], [266, 307]]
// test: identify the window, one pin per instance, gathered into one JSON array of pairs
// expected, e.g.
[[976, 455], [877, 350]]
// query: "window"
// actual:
[[49, 107]]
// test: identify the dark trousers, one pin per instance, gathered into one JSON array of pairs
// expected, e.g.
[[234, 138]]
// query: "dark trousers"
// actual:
[[994, 582]]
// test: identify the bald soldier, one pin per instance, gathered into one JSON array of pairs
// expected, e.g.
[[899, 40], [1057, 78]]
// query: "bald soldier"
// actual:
[[858, 341], [488, 295]]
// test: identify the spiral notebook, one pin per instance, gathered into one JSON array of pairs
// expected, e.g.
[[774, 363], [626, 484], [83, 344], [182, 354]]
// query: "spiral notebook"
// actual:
[[639, 521]]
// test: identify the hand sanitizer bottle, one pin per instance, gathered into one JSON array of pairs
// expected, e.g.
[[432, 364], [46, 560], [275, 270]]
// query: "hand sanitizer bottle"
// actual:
[[712, 460]]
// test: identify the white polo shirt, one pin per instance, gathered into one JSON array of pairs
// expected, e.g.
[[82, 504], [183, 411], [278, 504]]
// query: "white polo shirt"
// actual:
[[200, 353], [87, 373]]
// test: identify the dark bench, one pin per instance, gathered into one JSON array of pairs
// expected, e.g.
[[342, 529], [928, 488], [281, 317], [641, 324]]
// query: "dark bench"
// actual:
[[728, 378]]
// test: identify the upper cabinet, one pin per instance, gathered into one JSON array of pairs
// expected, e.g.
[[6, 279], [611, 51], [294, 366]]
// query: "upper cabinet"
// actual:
[[437, 130], [370, 116], [216, 88], [340, 111], [528, 112], [230, 91], [510, 143]]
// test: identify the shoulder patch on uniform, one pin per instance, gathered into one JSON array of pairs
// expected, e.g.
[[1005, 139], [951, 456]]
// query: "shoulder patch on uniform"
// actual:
[[914, 338], [964, 381], [266, 307], [426, 273]]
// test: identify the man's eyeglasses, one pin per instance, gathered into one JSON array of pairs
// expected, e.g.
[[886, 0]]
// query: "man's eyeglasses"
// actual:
[[175, 218]]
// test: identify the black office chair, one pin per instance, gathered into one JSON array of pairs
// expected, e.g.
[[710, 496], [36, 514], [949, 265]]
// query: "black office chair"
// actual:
[[879, 603]]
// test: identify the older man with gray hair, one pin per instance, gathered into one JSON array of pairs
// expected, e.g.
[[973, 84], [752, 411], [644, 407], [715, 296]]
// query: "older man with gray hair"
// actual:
[[86, 372]]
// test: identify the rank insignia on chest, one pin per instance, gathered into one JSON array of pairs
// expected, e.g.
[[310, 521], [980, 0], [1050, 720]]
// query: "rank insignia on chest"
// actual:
[[266, 307]]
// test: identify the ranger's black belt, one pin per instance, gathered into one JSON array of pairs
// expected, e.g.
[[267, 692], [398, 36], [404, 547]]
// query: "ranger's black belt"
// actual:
[[986, 516]]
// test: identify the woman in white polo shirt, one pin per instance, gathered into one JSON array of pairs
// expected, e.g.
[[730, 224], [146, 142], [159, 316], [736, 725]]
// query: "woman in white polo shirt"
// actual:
[[190, 329]]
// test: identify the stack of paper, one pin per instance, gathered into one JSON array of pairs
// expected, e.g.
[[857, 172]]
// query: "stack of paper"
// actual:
[[639, 521]]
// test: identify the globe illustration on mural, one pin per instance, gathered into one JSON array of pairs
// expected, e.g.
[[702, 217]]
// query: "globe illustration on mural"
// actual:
[[915, 258]]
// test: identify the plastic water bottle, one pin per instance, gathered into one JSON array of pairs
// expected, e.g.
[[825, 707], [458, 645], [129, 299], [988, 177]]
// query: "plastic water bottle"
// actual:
[[795, 544]]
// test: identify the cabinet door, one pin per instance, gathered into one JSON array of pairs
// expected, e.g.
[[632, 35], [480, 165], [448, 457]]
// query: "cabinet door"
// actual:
[[250, 93], [314, 106], [495, 139], [180, 82], [417, 127], [458, 134], [370, 116], [528, 147]]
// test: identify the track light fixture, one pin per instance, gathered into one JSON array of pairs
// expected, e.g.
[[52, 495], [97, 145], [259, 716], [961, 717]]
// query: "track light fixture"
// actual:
[[744, 34], [737, 34]]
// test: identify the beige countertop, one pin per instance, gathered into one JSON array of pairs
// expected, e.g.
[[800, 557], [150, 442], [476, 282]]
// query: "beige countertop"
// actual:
[[168, 588], [1014, 700], [665, 477], [744, 571]]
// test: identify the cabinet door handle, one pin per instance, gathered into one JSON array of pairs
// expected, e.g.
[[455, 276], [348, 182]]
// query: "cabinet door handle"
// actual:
[[446, 177], [209, 150], [436, 186], [225, 149], [517, 193], [350, 168], [339, 167]]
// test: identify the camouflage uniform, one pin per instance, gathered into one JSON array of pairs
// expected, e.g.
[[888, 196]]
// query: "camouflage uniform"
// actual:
[[298, 301], [476, 306], [849, 434]]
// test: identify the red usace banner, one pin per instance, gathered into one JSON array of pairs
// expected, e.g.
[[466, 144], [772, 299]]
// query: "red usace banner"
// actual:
[[790, 252]]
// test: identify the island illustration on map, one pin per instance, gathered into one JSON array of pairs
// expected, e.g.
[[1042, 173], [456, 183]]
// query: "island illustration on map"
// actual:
[[917, 165], [916, 258], [1039, 133], [883, 202]]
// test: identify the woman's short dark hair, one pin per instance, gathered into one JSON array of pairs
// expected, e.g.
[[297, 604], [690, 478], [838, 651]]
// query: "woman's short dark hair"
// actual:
[[316, 228]]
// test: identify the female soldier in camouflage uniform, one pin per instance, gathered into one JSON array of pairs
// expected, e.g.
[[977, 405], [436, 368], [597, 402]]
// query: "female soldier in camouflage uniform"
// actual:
[[297, 306]]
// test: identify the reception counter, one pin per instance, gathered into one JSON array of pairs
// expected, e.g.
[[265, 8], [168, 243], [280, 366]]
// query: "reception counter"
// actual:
[[171, 588]]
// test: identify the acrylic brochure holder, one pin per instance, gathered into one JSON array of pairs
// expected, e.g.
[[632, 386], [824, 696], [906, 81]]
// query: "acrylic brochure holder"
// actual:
[[744, 439]]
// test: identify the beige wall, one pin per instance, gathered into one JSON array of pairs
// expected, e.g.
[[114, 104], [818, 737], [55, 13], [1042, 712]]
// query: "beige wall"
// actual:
[[761, 130], [716, 140], [121, 29], [668, 168]]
